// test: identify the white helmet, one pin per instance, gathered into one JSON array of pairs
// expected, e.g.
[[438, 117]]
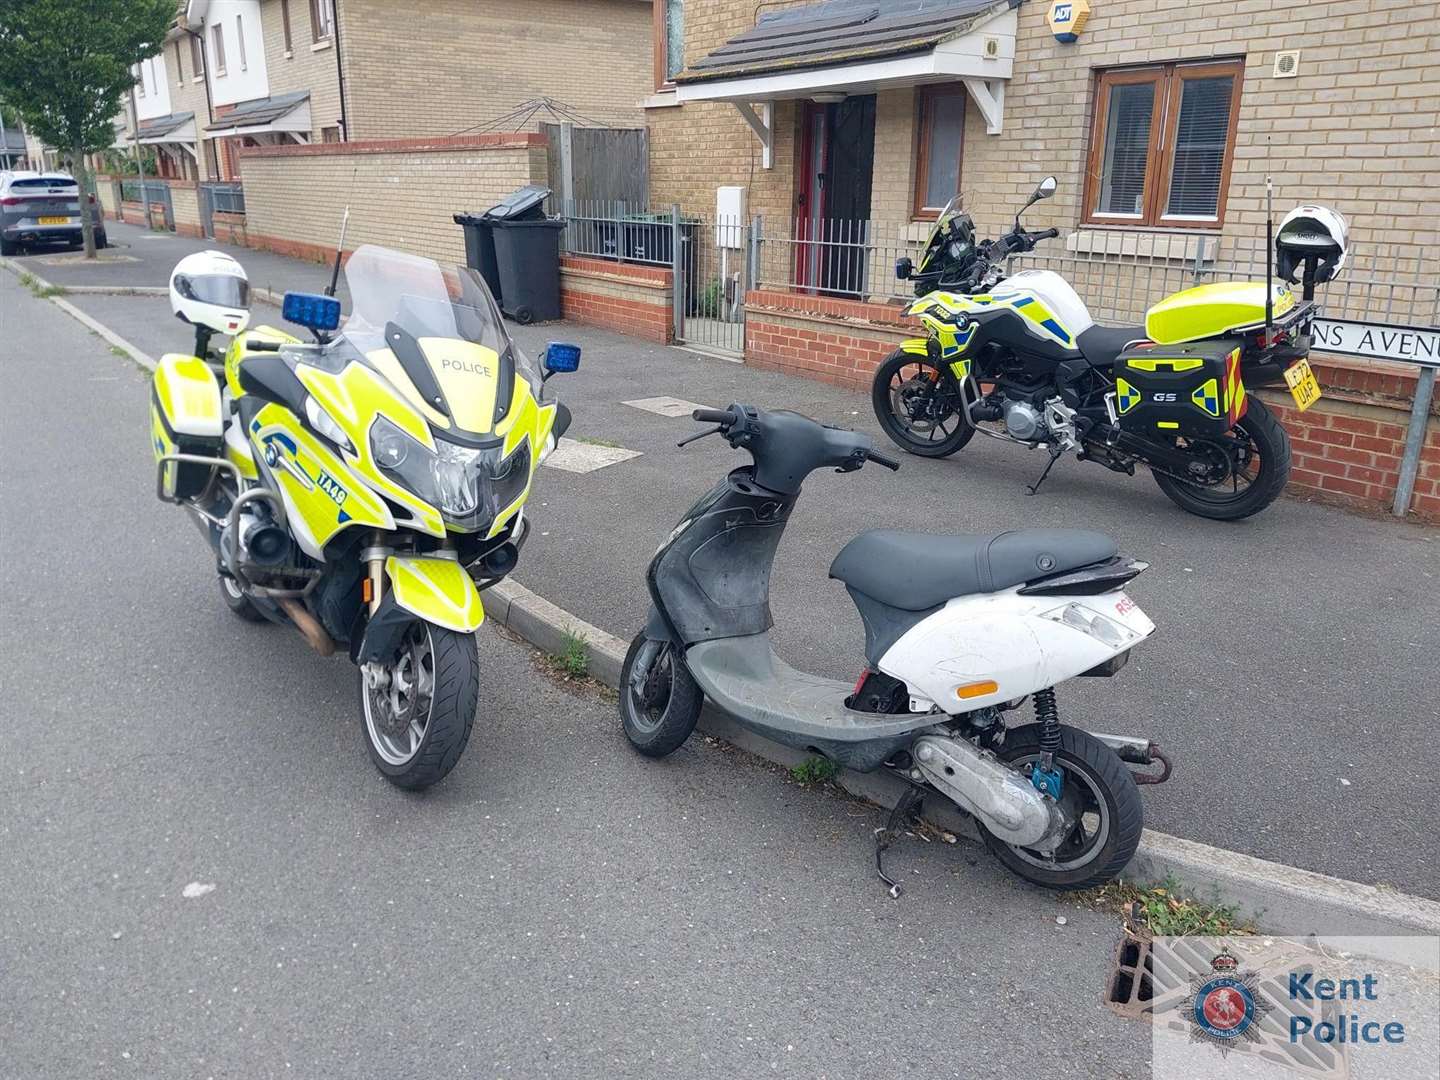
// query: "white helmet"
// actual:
[[1312, 232], [210, 289]]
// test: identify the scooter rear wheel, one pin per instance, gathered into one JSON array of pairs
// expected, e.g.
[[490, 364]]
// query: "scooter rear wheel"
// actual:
[[659, 699], [1102, 794]]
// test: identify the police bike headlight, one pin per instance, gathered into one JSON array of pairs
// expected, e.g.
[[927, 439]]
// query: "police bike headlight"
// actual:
[[470, 485]]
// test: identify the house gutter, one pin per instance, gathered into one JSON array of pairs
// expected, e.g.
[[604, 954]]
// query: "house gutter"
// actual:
[[339, 72], [209, 104]]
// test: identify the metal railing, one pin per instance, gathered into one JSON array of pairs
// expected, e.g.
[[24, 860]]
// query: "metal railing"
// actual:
[[226, 198], [1118, 275], [140, 191], [711, 260]]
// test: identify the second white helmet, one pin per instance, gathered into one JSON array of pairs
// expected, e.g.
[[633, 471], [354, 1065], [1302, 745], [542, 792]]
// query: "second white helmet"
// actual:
[[210, 289]]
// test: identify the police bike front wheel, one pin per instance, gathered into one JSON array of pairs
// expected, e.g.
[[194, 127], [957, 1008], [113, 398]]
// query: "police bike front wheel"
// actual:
[[920, 406]]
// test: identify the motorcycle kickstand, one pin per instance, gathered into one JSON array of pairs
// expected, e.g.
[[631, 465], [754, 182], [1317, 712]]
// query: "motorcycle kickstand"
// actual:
[[906, 810], [1055, 453]]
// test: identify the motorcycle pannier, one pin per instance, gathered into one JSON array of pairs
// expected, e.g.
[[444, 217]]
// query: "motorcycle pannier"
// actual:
[[1193, 390], [185, 419]]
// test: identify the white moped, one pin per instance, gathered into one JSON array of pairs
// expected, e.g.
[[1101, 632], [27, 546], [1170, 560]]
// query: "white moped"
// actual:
[[959, 631]]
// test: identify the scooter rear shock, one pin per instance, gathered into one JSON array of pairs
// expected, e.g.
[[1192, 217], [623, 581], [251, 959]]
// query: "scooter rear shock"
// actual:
[[1047, 714], [1043, 774]]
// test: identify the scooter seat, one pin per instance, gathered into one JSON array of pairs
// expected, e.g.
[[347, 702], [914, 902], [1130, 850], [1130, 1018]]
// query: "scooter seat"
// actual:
[[915, 571], [1102, 344]]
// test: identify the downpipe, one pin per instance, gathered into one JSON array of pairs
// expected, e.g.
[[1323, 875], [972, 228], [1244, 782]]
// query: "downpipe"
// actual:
[[1007, 804]]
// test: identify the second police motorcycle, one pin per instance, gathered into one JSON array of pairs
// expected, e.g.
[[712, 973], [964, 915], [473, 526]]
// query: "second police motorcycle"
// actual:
[[1020, 351]]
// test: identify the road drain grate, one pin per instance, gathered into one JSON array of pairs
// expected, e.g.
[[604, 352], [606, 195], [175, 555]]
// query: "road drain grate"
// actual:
[[1132, 987]]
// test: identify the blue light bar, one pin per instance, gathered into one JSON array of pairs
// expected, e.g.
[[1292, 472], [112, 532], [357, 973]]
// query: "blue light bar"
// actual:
[[561, 357], [311, 310]]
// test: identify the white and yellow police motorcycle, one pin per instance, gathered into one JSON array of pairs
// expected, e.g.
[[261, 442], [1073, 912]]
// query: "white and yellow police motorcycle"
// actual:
[[363, 487], [1017, 356]]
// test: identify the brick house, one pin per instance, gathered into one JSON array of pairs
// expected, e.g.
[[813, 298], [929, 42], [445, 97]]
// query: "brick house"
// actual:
[[1159, 120], [239, 74]]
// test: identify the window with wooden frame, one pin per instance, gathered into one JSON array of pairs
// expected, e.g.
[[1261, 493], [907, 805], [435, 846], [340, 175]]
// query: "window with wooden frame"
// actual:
[[217, 48], [669, 41], [197, 57], [240, 39], [321, 25], [939, 144], [285, 24], [179, 67], [1161, 145]]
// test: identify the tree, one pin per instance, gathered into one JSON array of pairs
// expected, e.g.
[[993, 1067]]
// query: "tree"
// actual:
[[65, 66]]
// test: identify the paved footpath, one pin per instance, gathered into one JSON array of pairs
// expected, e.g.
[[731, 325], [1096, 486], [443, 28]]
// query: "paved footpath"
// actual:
[[558, 907], [1290, 678]]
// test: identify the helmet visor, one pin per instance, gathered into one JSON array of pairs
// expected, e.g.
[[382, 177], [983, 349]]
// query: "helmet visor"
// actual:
[[222, 290]]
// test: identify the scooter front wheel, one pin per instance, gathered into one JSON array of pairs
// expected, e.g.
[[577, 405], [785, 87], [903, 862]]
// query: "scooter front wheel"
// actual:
[[1101, 798], [659, 699], [419, 706]]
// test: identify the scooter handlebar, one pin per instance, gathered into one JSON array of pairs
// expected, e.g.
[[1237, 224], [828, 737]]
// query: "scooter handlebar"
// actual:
[[714, 416], [880, 459]]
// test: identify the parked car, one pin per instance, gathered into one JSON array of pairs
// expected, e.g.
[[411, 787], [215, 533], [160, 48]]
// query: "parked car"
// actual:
[[43, 208]]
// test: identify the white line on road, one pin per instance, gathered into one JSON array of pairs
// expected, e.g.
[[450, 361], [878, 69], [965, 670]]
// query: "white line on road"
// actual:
[[664, 406], [581, 457]]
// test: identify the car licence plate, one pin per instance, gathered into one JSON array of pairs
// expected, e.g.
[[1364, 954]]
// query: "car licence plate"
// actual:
[[1304, 387], [54, 221]]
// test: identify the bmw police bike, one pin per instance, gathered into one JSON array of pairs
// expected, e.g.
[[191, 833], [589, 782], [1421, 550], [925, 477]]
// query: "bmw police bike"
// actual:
[[363, 487], [1021, 352]]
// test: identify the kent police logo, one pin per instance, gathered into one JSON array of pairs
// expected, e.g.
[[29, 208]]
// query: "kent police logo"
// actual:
[[1225, 1006]]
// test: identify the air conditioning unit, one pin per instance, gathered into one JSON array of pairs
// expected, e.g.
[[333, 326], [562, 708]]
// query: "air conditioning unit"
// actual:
[[1287, 64]]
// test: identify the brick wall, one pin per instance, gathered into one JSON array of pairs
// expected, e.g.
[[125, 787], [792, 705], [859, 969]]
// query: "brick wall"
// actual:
[[448, 65], [836, 341], [185, 207], [306, 65], [636, 300], [402, 193]]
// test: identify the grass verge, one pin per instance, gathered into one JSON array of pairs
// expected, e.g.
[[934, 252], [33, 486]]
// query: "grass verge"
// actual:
[[1165, 911]]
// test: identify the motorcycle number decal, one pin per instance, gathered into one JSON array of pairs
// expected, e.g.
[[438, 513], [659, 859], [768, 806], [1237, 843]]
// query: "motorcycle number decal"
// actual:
[[329, 486]]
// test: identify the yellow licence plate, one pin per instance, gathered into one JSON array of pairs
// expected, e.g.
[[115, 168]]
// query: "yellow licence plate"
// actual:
[[1304, 387], [54, 221]]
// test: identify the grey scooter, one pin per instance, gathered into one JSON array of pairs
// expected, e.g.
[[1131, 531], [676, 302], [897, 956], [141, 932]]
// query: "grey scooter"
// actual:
[[1056, 804]]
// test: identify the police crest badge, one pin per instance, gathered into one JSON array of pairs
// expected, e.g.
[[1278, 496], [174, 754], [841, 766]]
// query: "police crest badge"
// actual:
[[1224, 1006]]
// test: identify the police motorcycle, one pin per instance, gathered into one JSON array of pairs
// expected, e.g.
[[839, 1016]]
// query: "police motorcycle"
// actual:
[[363, 487], [959, 632], [1017, 356]]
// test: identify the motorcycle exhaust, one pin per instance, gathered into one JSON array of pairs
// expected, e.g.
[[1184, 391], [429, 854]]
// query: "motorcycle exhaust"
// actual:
[[308, 625], [1007, 804]]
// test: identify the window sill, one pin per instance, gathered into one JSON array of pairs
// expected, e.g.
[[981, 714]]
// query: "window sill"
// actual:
[[1145, 242], [320, 45], [661, 99], [220, 74], [198, 79]]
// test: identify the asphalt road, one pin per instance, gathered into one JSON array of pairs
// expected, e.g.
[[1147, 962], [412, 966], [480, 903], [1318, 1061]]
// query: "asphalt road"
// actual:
[[1290, 677], [557, 907]]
